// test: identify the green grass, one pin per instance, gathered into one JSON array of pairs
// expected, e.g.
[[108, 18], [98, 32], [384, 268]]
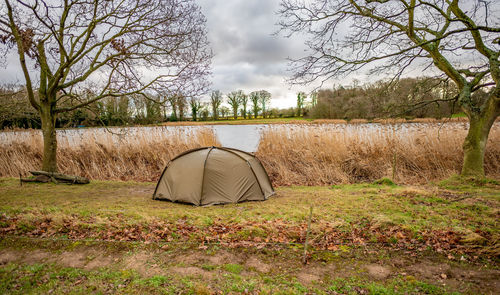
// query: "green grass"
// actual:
[[104, 203], [387, 217], [233, 268], [396, 286], [459, 115], [385, 181], [50, 278]]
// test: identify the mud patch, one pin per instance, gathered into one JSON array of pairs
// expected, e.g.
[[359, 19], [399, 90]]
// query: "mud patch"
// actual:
[[258, 265], [142, 190], [308, 278], [72, 259], [192, 258], [224, 257], [37, 256], [7, 256], [378, 272], [143, 263], [487, 279], [429, 271], [101, 261], [192, 271]]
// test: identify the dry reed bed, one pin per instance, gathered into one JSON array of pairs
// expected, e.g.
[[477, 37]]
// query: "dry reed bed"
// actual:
[[292, 154], [139, 156], [305, 156]]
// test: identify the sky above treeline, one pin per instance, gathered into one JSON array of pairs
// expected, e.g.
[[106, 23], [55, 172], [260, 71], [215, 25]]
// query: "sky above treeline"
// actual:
[[248, 56]]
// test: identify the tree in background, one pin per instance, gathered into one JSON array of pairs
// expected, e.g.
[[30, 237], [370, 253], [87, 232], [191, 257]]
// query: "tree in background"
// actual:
[[172, 100], [116, 111], [386, 99], [254, 98], [397, 34], [234, 100], [314, 98], [244, 103], [301, 97], [264, 99], [224, 111], [204, 112], [74, 53], [195, 107], [215, 102], [182, 106], [147, 110], [15, 111]]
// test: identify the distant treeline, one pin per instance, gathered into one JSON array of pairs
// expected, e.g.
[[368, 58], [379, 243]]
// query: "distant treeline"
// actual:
[[16, 111], [407, 98]]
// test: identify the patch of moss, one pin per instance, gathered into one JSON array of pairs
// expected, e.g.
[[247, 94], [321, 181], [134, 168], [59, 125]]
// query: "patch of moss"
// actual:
[[463, 182], [385, 181], [233, 268]]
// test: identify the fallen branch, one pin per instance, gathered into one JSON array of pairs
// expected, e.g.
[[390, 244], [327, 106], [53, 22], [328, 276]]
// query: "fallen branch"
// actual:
[[42, 176]]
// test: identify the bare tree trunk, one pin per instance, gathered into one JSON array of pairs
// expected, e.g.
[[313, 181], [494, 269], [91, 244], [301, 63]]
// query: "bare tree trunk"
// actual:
[[477, 137], [474, 148], [235, 113], [49, 162], [215, 113]]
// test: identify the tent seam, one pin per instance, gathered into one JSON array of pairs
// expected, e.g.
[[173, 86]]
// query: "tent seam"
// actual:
[[203, 175], [161, 176], [265, 172], [256, 179], [251, 168]]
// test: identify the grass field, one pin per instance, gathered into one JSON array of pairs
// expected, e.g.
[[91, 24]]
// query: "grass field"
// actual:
[[110, 237]]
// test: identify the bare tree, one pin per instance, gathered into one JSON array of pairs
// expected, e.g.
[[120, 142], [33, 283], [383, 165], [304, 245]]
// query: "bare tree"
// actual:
[[462, 41], [254, 98], [204, 111], [234, 100], [301, 97], [215, 102], [264, 99], [244, 104], [224, 111], [314, 98], [173, 100], [182, 106], [195, 107], [116, 48], [15, 111]]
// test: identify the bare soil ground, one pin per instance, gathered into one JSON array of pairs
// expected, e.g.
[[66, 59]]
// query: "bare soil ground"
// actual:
[[214, 267]]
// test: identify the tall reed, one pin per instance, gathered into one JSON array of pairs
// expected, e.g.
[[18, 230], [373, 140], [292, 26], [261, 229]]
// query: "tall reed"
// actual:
[[139, 156], [316, 154], [319, 156]]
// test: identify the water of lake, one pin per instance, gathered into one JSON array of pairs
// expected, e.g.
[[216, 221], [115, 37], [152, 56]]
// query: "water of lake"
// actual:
[[244, 137]]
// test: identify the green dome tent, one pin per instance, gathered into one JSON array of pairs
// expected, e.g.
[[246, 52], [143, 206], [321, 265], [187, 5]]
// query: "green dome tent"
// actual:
[[213, 175]]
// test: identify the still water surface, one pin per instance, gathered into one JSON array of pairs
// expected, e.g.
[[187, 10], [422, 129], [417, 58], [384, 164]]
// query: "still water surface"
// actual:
[[243, 137]]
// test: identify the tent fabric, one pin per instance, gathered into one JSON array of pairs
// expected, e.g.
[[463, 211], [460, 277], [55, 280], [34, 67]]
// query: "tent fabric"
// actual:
[[213, 175]]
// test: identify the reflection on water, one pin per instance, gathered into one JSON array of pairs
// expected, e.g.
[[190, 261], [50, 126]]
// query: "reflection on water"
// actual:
[[243, 137]]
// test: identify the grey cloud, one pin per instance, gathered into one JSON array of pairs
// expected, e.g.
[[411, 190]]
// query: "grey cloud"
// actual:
[[247, 54]]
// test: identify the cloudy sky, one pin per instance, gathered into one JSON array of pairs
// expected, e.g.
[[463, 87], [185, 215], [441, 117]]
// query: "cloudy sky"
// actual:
[[247, 55]]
